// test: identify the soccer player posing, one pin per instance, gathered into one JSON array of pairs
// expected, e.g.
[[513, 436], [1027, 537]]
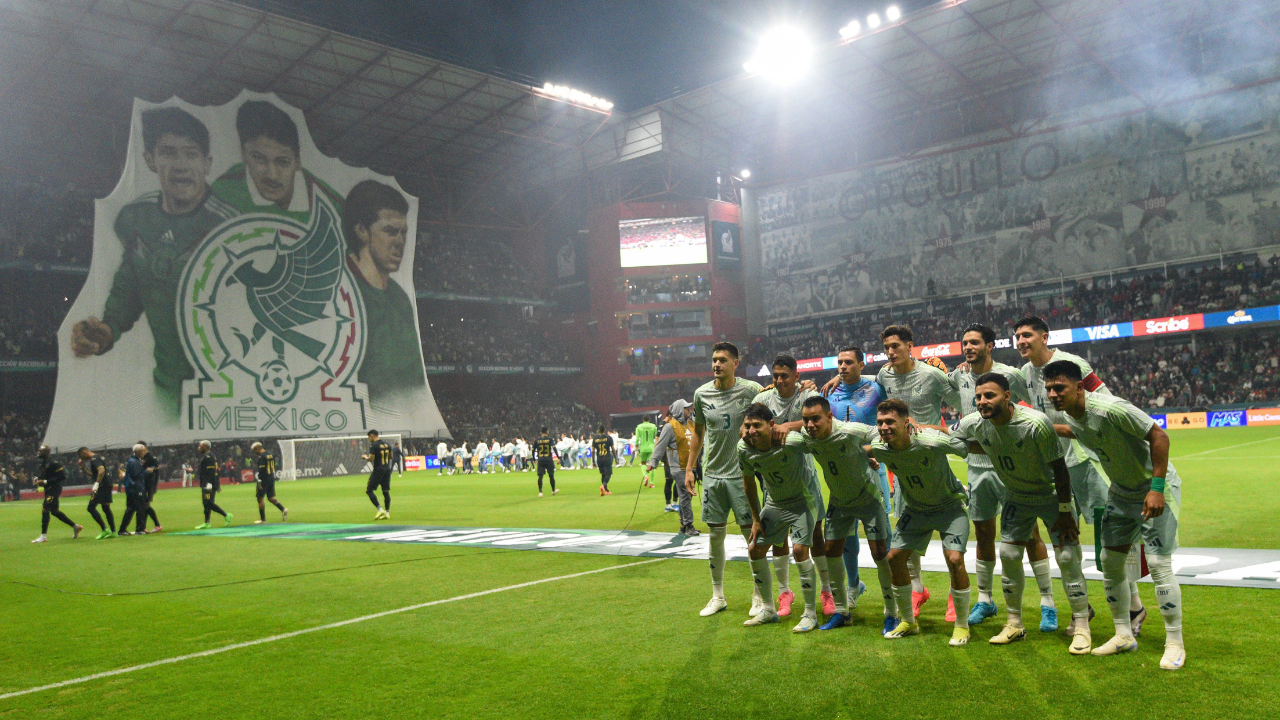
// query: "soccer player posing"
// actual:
[[209, 484], [544, 452], [52, 477], [853, 494], [602, 449], [379, 456], [933, 500], [793, 502], [1024, 449], [1143, 503], [266, 476], [718, 409], [96, 470]]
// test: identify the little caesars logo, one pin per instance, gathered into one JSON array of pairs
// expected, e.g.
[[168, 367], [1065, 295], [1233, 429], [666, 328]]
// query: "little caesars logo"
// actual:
[[274, 326]]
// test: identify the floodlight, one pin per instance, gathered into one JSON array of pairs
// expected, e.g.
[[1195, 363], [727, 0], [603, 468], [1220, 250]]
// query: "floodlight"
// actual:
[[873, 21], [784, 55], [744, 174], [893, 13], [851, 30]]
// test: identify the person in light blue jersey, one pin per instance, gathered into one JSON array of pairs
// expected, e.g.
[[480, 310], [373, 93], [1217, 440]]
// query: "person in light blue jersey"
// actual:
[[855, 400]]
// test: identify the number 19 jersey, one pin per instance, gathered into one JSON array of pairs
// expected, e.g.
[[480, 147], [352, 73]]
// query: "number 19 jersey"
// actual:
[[928, 484]]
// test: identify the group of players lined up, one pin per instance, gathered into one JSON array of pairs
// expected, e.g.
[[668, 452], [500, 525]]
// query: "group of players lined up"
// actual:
[[1047, 441], [138, 481], [571, 453]]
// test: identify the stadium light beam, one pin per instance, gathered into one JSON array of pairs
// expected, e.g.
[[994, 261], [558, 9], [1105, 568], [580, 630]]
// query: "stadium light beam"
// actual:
[[851, 30], [873, 21], [577, 97], [784, 55], [893, 13]]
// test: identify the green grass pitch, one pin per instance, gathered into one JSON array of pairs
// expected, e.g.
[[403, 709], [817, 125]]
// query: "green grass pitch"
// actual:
[[626, 643]]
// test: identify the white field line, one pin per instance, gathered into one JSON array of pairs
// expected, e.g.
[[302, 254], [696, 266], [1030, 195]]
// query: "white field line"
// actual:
[[329, 626], [1228, 447]]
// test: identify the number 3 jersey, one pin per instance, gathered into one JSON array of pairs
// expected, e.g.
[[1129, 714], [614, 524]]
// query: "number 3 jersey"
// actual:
[[785, 472], [928, 484], [720, 412], [1020, 450]]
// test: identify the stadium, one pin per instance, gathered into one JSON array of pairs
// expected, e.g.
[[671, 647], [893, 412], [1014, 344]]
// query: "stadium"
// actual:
[[606, 360]]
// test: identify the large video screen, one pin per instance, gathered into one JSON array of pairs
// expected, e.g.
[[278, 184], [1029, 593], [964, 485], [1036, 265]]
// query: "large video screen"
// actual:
[[663, 241]]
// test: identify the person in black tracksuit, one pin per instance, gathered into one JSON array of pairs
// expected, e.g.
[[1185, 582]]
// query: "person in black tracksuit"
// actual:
[[602, 453], [97, 472], [544, 451], [135, 491], [52, 476], [380, 457], [152, 465], [207, 472]]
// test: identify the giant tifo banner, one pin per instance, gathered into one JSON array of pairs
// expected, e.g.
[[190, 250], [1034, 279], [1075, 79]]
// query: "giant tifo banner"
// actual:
[[243, 285], [1198, 178]]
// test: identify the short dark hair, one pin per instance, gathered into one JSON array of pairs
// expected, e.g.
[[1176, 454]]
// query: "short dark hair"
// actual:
[[544, 429], [759, 411], [601, 428], [902, 332], [1065, 369], [895, 406], [785, 361], [259, 118], [993, 377], [364, 202], [853, 349], [158, 122], [819, 401], [726, 346], [373, 432], [81, 449], [988, 335], [1034, 321]]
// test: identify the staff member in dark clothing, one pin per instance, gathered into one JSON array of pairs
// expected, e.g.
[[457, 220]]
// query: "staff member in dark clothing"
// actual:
[[602, 453], [135, 492], [397, 460], [207, 472], [152, 466], [52, 476], [96, 471], [267, 483], [544, 451], [380, 457]]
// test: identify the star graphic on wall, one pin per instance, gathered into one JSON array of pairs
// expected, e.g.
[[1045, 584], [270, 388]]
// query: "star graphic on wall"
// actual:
[[1154, 205]]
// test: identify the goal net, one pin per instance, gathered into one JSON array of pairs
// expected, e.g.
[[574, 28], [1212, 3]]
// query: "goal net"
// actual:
[[327, 456]]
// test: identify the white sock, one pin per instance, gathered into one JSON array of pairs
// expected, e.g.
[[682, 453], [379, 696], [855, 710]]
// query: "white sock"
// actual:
[[902, 594], [961, 599], [986, 574], [824, 575], [1116, 581], [886, 587], [1044, 580], [1133, 568], [839, 584], [763, 581], [782, 569], [913, 567], [1168, 596], [809, 586], [717, 560], [1073, 583], [755, 591], [1012, 580]]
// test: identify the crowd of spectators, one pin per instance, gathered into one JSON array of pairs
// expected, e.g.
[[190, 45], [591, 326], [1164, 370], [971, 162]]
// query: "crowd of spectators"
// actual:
[[498, 336], [680, 288], [469, 266], [515, 415], [41, 221]]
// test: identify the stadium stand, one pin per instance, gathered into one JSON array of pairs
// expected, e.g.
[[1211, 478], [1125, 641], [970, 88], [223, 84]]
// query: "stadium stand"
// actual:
[[41, 221]]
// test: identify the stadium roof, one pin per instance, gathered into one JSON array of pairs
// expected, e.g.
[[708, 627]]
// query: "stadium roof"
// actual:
[[468, 142]]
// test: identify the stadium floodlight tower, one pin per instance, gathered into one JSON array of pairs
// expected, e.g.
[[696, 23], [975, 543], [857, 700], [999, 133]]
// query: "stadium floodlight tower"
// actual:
[[785, 55]]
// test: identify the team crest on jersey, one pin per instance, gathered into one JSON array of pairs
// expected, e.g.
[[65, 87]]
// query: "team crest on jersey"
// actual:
[[273, 324]]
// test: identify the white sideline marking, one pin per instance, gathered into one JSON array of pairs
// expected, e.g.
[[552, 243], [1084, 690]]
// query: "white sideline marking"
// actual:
[[1226, 447], [330, 626]]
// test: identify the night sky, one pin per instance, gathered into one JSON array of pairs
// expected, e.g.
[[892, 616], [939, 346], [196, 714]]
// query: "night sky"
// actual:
[[633, 52]]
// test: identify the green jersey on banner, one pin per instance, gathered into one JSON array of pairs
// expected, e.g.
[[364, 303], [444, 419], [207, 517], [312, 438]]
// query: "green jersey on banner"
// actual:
[[720, 412], [392, 356], [928, 484], [233, 189], [157, 246]]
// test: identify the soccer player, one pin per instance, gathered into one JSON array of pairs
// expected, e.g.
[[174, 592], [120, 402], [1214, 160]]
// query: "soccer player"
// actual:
[[923, 387], [379, 456], [986, 491], [1024, 449], [135, 492], [933, 500], [266, 477], [52, 477], [673, 446], [853, 494], [152, 466], [1088, 483], [718, 409], [96, 470], [793, 502], [207, 469], [159, 231], [1144, 500], [442, 454], [602, 449], [544, 452]]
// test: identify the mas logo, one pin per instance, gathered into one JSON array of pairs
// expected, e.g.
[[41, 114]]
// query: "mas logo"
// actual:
[[274, 326]]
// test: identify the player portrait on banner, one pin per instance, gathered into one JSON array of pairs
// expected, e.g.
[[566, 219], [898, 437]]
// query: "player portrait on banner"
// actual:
[[276, 299]]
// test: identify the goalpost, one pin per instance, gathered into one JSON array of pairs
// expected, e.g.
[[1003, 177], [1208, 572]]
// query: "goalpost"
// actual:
[[327, 456]]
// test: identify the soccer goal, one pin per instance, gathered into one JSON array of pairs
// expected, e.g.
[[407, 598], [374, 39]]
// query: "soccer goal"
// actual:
[[327, 456]]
